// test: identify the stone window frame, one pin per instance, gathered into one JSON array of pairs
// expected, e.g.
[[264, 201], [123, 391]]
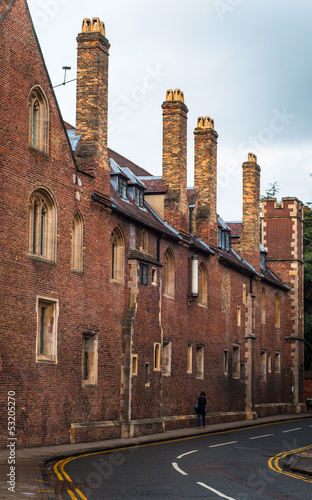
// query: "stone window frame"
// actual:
[[263, 306], [200, 361], [157, 356], [277, 362], [147, 374], [47, 310], [277, 310], [144, 238], [135, 362], [117, 256], [166, 358], [203, 284], [269, 362], [143, 273], [77, 243], [42, 225], [236, 355], [154, 276], [38, 120], [190, 358], [226, 362], [90, 347], [169, 273], [239, 316], [263, 365]]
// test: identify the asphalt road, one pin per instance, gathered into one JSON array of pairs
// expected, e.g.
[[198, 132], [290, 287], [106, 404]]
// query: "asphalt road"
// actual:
[[245, 464]]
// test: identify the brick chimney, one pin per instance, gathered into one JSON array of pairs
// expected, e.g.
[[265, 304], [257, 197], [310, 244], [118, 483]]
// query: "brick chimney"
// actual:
[[250, 239], [92, 88], [205, 181], [175, 160]]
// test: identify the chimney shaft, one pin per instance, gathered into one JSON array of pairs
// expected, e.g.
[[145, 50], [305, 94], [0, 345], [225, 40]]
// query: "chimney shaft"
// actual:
[[92, 90], [250, 239], [206, 181], [175, 159]]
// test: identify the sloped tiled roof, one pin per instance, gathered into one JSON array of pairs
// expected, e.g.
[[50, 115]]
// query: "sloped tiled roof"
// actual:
[[154, 185], [125, 163], [232, 259], [236, 228]]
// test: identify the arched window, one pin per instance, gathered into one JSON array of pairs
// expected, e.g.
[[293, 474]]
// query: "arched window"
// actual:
[[277, 310], [202, 284], [42, 225], [117, 255], [263, 312], [77, 244], [169, 273], [38, 113]]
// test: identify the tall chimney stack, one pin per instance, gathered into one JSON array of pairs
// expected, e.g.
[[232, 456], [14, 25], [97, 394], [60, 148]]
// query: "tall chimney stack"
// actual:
[[205, 181], [92, 98], [175, 159], [250, 239]]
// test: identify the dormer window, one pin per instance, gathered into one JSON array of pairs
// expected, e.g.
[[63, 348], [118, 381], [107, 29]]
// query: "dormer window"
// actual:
[[224, 240], [139, 197], [122, 187]]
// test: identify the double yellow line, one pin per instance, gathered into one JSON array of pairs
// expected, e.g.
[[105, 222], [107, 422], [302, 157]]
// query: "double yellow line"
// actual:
[[274, 464]]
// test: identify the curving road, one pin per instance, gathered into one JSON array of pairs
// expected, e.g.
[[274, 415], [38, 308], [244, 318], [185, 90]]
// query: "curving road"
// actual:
[[245, 464]]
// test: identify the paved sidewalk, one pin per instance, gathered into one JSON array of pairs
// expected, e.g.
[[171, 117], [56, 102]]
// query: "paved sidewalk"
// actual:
[[33, 483]]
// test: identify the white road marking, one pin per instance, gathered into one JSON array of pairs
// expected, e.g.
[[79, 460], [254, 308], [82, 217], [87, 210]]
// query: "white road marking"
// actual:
[[222, 444], [263, 436], [175, 465], [215, 491], [188, 453], [291, 430]]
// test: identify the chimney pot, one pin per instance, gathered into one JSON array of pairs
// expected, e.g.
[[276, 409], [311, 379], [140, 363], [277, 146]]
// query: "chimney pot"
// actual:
[[252, 157], [94, 25]]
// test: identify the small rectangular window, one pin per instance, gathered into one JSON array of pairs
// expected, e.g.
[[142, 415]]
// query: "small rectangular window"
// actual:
[[134, 364], [47, 314], [269, 363], [189, 358], [277, 362], [199, 361], [236, 362], [157, 349], [166, 358], [139, 197], [147, 373], [239, 316], [154, 276], [122, 187], [263, 366], [143, 274], [90, 358], [226, 362]]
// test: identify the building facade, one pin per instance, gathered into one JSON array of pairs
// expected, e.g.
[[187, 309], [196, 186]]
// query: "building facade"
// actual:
[[125, 295]]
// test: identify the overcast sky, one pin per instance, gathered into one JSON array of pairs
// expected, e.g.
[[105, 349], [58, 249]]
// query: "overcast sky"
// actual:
[[245, 63]]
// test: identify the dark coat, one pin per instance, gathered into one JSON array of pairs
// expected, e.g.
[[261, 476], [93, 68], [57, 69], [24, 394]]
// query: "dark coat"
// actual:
[[201, 405]]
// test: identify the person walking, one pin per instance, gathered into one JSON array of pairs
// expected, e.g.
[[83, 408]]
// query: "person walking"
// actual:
[[201, 409]]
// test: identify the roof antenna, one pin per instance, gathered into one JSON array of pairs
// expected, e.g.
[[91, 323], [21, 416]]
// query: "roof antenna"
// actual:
[[65, 68]]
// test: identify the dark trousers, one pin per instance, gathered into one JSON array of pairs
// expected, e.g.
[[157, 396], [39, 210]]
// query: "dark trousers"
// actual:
[[198, 419]]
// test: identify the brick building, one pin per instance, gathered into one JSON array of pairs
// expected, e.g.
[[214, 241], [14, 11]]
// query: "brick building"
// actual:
[[118, 288]]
